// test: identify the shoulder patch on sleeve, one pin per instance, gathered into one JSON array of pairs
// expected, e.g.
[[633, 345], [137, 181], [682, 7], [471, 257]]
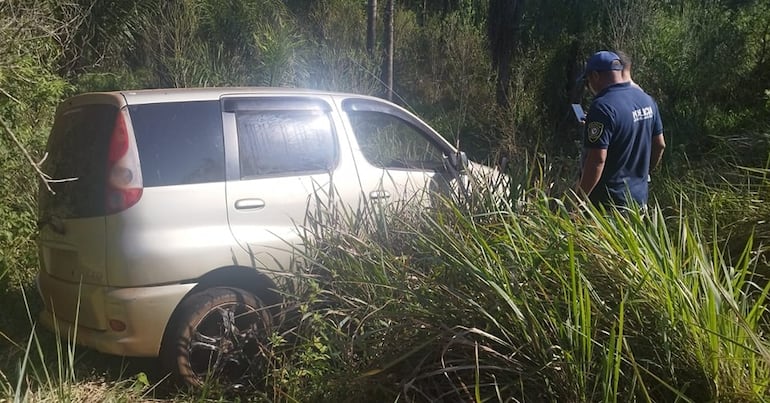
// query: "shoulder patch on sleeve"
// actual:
[[595, 130]]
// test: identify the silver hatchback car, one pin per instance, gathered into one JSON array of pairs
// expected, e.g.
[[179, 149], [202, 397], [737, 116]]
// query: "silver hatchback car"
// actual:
[[176, 206]]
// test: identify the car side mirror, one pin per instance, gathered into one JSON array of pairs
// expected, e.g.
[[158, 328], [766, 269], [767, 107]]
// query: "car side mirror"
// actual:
[[459, 160]]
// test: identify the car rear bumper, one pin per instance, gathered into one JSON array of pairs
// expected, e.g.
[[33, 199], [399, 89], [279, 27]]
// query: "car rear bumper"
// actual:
[[144, 311]]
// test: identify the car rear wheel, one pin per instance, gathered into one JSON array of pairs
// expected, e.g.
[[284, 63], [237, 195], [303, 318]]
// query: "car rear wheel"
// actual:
[[219, 335]]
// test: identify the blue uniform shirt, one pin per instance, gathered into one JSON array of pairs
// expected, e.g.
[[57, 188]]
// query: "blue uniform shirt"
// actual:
[[622, 119]]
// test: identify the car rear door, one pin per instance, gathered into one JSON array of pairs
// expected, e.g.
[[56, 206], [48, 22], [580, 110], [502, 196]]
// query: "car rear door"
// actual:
[[280, 152]]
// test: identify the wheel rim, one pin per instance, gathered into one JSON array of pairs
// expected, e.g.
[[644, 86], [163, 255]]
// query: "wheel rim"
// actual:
[[229, 343]]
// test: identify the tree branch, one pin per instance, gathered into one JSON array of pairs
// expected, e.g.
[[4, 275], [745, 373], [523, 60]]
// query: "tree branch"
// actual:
[[47, 179]]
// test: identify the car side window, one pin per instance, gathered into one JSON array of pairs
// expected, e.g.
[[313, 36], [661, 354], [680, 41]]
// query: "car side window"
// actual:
[[387, 141], [179, 142], [281, 142]]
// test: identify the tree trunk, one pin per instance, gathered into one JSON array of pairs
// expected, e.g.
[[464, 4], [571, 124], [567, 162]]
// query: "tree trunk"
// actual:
[[450, 5], [388, 67], [503, 32], [371, 26]]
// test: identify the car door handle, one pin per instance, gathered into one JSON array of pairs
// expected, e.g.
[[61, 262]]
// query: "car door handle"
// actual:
[[249, 204], [379, 194]]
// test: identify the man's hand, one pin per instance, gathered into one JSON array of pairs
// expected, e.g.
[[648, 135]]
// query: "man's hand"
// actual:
[[658, 145]]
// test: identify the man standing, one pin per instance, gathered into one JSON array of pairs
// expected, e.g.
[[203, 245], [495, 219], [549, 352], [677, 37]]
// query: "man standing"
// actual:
[[623, 138]]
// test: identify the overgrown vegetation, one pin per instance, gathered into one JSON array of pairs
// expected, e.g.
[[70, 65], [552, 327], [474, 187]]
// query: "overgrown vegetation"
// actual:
[[528, 301], [537, 304]]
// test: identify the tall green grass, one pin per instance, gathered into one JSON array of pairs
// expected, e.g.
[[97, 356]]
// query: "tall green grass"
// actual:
[[533, 302]]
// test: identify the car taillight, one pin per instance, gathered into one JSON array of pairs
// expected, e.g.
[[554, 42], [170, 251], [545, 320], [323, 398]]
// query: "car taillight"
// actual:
[[124, 175]]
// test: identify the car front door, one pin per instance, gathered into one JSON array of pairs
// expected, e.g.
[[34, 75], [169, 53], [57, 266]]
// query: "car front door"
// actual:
[[410, 158]]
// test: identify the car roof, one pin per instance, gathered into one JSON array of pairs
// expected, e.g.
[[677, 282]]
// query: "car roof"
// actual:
[[209, 93]]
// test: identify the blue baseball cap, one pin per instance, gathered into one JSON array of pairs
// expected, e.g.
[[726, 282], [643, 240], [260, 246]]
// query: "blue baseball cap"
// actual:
[[603, 60]]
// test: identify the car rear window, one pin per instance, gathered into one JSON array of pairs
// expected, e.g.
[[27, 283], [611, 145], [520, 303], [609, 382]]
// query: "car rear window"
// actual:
[[77, 153], [179, 143]]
